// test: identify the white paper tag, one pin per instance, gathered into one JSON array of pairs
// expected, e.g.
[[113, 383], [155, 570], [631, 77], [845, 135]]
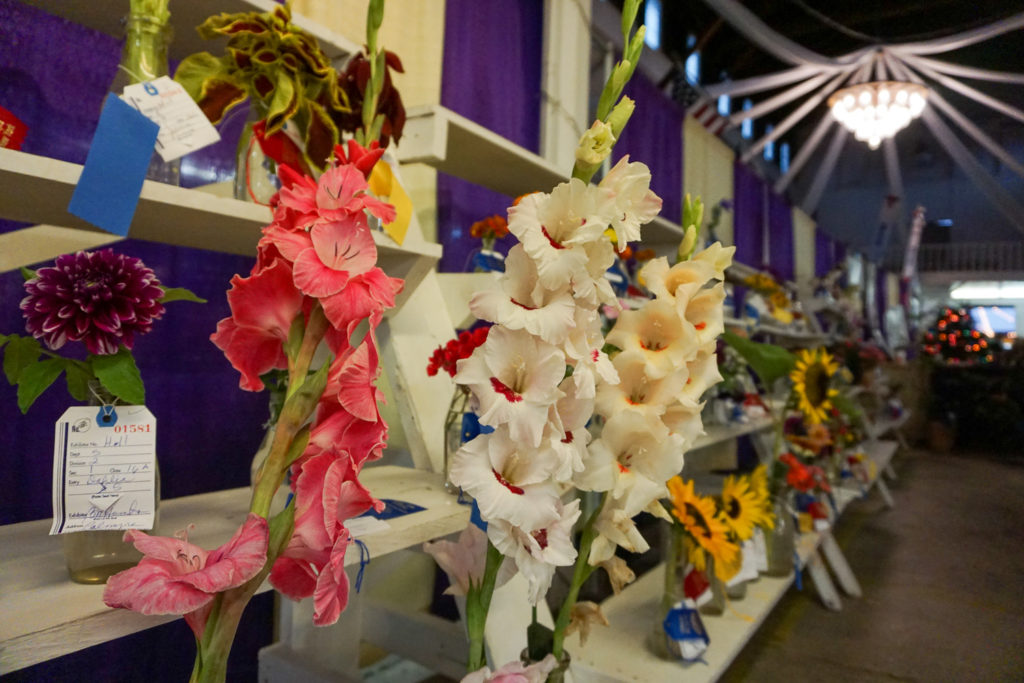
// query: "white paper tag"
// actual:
[[184, 127], [821, 525], [748, 570], [760, 550], [104, 477], [364, 526]]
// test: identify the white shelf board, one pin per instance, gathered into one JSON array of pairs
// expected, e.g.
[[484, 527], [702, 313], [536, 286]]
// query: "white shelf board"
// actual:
[[714, 434], [37, 189], [882, 427], [621, 652], [105, 16], [45, 615], [438, 137]]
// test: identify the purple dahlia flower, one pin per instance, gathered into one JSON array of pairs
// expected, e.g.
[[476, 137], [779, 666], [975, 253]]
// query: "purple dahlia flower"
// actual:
[[100, 298]]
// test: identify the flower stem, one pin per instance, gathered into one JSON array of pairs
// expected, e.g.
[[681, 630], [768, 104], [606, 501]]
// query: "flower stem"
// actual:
[[478, 602], [581, 572]]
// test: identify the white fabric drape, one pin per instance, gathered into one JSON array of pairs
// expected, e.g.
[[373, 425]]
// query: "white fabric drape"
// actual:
[[824, 172], [959, 40], [951, 69], [804, 155], [783, 98], [966, 90]]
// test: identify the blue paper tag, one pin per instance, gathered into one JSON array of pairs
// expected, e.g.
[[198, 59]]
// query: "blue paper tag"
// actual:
[[108, 190], [393, 508], [684, 623]]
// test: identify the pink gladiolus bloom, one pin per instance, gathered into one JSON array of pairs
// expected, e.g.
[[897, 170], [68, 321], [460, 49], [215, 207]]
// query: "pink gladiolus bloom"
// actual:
[[363, 158], [341, 193], [351, 380], [263, 307], [515, 672], [365, 296], [463, 561], [177, 577]]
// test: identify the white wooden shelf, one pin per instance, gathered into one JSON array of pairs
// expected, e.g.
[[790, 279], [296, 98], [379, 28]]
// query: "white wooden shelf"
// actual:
[[105, 16], [440, 138], [714, 434], [45, 615], [622, 652], [37, 189]]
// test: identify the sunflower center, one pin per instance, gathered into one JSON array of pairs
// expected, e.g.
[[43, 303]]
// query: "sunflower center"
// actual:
[[699, 523], [816, 384], [733, 508]]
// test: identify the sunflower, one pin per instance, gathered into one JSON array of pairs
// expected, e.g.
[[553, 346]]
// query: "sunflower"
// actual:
[[812, 383], [759, 488], [704, 525], [740, 507]]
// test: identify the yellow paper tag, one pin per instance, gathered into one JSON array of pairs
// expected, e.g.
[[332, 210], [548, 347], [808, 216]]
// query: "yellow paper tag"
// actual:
[[385, 186]]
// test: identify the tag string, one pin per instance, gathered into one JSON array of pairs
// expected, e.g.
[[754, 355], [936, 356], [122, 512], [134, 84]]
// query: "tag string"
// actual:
[[103, 401], [364, 559]]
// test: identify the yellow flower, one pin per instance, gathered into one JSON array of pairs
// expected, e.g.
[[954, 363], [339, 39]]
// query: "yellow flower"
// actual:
[[740, 507], [812, 384], [705, 526]]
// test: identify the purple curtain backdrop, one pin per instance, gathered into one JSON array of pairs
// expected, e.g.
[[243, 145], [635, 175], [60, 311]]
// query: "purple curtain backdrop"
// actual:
[[823, 253], [58, 94], [748, 216], [654, 136], [781, 258], [491, 75]]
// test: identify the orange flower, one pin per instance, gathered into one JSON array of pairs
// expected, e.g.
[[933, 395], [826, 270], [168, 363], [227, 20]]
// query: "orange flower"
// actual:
[[492, 227], [626, 253], [645, 255]]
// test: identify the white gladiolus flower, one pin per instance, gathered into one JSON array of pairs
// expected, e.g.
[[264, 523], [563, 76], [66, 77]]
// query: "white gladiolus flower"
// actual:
[[521, 304], [632, 495], [505, 484], [629, 187], [537, 552], [716, 256], [554, 228], [514, 376], [636, 390], [665, 283], [658, 332], [704, 312]]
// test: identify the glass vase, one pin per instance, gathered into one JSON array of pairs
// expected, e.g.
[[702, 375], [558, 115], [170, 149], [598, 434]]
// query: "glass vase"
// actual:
[[94, 556], [255, 173], [780, 541], [144, 58], [557, 675], [716, 605], [675, 544], [453, 434]]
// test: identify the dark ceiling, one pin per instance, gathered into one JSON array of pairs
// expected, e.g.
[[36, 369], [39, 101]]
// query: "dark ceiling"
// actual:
[[727, 53]]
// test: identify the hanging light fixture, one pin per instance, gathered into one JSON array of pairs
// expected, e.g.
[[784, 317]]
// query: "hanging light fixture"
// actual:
[[878, 110]]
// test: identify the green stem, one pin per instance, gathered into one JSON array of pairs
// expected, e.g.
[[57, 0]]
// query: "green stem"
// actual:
[[478, 602], [581, 572]]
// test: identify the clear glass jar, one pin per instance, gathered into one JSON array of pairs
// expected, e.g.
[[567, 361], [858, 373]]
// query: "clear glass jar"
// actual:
[[780, 541], [255, 173], [144, 58], [716, 605], [94, 556]]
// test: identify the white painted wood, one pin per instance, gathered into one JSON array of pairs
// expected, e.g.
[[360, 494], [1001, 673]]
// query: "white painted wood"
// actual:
[[436, 643], [39, 243], [451, 143], [883, 489], [823, 583], [46, 616], [565, 79], [37, 189], [105, 17], [459, 288], [715, 434], [840, 567]]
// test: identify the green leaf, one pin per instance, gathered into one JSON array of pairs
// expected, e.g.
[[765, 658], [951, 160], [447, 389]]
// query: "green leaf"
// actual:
[[27, 273], [77, 378], [35, 379], [180, 294], [768, 361], [283, 103], [196, 69], [629, 12], [119, 375], [19, 354]]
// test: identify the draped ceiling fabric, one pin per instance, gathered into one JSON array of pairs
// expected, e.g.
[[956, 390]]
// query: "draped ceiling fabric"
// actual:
[[654, 136], [491, 75], [818, 76]]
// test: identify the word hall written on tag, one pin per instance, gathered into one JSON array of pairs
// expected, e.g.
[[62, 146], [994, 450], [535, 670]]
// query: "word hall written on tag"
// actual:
[[104, 469]]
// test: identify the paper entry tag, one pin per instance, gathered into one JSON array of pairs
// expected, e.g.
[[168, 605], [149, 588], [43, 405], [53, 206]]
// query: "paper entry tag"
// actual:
[[760, 550], [104, 477], [748, 570], [184, 127]]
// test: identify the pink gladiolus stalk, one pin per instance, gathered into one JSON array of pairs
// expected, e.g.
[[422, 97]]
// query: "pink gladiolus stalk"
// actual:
[[314, 281]]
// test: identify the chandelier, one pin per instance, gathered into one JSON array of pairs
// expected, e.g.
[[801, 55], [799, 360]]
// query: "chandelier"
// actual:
[[878, 110]]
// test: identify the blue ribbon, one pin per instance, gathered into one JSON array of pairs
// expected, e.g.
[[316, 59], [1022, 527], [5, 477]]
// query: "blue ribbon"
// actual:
[[364, 559], [798, 579]]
